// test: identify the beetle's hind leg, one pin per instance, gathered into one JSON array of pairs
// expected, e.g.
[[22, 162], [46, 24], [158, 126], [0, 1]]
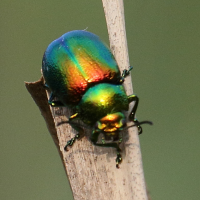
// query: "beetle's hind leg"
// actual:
[[94, 139]]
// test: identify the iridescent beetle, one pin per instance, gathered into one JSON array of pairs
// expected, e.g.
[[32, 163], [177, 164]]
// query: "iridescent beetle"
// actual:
[[82, 74]]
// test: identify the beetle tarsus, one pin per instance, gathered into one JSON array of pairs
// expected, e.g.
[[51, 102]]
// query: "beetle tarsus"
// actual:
[[71, 142], [138, 126], [125, 73], [118, 160]]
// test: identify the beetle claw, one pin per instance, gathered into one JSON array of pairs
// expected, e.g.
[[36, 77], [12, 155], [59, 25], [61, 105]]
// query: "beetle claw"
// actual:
[[66, 148]]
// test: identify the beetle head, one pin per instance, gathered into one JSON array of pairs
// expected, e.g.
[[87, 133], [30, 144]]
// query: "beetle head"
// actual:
[[111, 123]]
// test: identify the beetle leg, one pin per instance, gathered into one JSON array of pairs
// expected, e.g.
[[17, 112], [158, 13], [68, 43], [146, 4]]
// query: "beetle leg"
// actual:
[[46, 86], [119, 157], [131, 98], [125, 73], [52, 96], [75, 126], [78, 136], [103, 140], [54, 103], [120, 140], [94, 139], [118, 160]]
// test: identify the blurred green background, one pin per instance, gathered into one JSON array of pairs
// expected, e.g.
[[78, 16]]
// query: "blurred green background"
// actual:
[[164, 47]]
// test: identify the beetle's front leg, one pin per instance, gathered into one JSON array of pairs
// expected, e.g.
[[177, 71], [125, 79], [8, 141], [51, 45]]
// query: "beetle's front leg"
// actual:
[[94, 139], [78, 136], [131, 98], [75, 126]]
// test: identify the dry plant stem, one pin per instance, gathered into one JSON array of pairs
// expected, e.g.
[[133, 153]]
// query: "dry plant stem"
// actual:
[[114, 12], [91, 170]]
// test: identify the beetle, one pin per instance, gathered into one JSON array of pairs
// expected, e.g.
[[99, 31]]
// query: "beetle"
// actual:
[[82, 74]]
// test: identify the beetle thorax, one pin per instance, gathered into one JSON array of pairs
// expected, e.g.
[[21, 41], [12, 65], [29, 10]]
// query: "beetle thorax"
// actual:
[[101, 100]]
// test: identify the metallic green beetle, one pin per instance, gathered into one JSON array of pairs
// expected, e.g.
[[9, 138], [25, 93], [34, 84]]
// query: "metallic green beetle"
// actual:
[[82, 73]]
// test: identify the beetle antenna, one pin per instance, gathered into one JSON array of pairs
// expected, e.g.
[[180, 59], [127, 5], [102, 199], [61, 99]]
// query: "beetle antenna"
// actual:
[[140, 123]]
